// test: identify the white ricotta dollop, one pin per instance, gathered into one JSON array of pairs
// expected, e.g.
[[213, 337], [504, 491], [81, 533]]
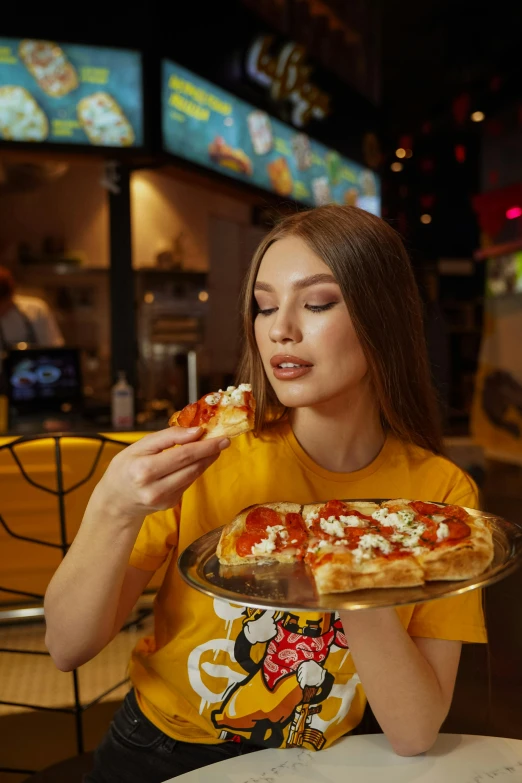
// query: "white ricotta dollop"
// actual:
[[310, 515], [367, 543], [235, 396], [267, 545], [442, 531]]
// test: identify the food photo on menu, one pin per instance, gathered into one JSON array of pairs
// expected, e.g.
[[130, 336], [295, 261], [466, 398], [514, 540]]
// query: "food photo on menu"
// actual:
[[69, 94], [205, 124]]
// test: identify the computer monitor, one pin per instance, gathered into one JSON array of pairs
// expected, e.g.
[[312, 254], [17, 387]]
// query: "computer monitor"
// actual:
[[42, 380]]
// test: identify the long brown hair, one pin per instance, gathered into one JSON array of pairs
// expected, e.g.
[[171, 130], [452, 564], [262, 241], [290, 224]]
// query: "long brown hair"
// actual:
[[372, 268]]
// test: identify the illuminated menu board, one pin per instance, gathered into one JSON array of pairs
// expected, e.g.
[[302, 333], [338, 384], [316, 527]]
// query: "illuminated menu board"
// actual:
[[204, 124], [69, 94]]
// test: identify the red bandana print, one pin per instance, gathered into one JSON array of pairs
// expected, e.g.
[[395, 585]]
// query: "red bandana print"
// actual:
[[288, 650]]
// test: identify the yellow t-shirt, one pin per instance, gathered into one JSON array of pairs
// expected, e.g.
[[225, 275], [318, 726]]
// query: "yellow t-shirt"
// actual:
[[215, 670]]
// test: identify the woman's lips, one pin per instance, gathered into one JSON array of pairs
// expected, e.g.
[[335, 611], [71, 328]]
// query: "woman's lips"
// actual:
[[290, 373], [286, 366]]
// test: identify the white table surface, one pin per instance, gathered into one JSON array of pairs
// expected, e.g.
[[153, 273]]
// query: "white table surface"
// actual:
[[455, 758]]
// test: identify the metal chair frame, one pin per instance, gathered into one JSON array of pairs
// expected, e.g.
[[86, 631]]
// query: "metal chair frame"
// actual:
[[60, 493]]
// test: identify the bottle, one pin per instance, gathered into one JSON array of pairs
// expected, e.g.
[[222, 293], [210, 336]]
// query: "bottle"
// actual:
[[122, 403]]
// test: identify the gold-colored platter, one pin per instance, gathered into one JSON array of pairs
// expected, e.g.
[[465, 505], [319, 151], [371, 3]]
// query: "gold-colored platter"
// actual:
[[291, 587]]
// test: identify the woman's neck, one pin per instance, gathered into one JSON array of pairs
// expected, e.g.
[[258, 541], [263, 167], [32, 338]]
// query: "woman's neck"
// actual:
[[343, 435]]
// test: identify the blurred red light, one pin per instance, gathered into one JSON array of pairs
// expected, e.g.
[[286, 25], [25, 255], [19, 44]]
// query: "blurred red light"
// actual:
[[460, 153], [513, 212]]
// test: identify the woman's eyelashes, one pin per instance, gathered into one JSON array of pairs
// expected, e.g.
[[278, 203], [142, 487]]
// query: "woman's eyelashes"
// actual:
[[312, 308]]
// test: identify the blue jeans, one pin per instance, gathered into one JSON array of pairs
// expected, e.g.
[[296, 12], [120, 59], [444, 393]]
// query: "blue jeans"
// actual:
[[135, 751]]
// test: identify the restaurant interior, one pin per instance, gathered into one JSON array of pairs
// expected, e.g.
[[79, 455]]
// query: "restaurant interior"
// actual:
[[135, 247]]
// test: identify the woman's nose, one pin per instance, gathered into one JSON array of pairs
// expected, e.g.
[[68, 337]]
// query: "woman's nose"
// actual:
[[284, 328]]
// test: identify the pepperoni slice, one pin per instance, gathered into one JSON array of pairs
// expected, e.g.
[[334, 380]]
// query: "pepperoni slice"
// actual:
[[456, 512], [430, 534], [333, 508], [457, 530], [353, 535], [427, 509], [196, 414], [246, 541], [187, 415], [204, 413], [260, 518], [296, 530]]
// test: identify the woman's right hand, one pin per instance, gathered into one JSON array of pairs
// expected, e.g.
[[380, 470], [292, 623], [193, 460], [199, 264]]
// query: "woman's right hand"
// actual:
[[151, 475]]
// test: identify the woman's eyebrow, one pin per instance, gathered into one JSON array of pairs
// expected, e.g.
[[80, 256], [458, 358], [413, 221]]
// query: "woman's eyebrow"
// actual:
[[304, 282]]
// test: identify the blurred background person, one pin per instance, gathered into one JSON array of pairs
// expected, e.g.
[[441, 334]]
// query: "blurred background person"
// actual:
[[25, 319]]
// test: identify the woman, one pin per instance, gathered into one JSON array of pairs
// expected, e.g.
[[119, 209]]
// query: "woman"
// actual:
[[335, 353]]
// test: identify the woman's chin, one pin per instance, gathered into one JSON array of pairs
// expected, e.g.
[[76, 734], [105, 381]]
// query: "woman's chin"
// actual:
[[300, 400]]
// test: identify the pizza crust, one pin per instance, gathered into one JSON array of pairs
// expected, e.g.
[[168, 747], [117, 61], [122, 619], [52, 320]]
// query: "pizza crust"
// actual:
[[463, 560], [346, 575]]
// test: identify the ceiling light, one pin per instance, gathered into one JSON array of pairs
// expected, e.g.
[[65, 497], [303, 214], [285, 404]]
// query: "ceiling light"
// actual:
[[425, 218], [396, 166], [401, 152], [478, 116]]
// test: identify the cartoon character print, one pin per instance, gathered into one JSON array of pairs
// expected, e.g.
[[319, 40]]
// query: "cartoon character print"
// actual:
[[286, 679]]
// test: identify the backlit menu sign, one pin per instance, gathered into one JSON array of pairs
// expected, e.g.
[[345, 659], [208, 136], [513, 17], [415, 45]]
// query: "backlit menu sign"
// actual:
[[209, 126], [69, 94]]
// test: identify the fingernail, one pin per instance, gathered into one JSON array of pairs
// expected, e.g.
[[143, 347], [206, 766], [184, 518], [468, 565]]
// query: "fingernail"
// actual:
[[193, 430], [223, 444]]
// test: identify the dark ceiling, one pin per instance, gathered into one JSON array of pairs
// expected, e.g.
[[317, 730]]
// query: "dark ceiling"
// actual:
[[433, 50]]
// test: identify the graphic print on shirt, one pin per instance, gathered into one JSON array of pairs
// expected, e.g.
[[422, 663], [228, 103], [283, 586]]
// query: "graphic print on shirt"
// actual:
[[277, 683]]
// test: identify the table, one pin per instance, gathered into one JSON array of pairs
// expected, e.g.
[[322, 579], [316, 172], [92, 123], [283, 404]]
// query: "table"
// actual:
[[455, 758]]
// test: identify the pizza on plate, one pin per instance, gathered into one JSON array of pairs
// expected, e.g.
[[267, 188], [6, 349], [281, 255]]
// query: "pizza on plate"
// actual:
[[222, 414], [353, 545]]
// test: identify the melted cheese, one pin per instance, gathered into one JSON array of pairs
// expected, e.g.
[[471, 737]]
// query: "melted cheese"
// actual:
[[268, 545], [353, 521], [368, 543], [442, 531], [332, 526], [321, 545], [310, 515], [407, 532], [336, 527], [233, 396]]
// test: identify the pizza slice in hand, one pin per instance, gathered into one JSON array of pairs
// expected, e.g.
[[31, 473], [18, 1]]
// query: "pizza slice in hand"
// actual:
[[222, 414]]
